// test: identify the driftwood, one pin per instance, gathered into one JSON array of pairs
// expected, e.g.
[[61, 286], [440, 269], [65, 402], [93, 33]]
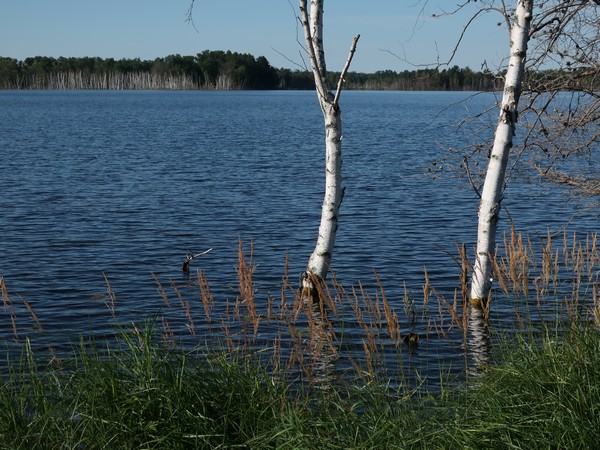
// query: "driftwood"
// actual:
[[185, 265]]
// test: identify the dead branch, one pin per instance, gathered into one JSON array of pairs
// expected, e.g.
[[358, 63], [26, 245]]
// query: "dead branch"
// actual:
[[185, 265], [345, 71], [589, 187]]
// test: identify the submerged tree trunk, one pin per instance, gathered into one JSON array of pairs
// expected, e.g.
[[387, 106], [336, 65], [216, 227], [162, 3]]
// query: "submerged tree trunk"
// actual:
[[320, 259], [493, 187]]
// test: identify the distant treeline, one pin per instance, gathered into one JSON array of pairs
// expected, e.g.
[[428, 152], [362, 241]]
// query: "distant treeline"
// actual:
[[217, 70]]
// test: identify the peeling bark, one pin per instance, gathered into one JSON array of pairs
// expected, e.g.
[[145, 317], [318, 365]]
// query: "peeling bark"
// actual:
[[491, 196]]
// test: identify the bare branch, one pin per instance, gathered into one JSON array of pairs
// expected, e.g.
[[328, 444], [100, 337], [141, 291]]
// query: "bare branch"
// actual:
[[458, 43], [464, 31], [470, 177], [587, 186], [190, 16], [345, 71], [185, 265]]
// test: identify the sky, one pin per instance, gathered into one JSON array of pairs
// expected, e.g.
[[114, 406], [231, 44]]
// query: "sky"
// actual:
[[395, 34]]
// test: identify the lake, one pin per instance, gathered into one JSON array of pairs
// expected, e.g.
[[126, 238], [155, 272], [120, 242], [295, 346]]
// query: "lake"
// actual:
[[125, 183]]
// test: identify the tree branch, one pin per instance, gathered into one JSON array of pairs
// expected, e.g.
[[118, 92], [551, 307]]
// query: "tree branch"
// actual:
[[587, 186], [345, 71]]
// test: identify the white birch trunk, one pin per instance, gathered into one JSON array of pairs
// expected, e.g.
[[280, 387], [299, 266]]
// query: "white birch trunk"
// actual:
[[491, 196], [320, 260]]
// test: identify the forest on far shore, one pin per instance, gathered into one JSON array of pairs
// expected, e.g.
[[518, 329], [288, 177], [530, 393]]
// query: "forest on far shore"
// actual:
[[220, 70]]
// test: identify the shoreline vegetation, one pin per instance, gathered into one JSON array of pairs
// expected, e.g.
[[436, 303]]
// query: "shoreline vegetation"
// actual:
[[536, 380], [222, 70]]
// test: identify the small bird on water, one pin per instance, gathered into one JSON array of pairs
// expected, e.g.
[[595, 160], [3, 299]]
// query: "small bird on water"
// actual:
[[411, 339], [185, 265]]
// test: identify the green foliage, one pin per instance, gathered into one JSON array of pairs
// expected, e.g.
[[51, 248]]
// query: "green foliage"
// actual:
[[204, 70], [217, 69], [136, 394], [225, 69]]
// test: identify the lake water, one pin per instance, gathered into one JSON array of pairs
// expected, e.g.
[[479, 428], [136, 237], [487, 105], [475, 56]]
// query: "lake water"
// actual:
[[126, 183]]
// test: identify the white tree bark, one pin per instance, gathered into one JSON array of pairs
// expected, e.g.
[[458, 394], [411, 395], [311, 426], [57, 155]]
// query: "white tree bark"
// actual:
[[493, 187], [312, 25]]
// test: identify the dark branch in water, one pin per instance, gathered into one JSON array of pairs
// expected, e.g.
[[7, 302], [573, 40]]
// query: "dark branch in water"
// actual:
[[185, 265]]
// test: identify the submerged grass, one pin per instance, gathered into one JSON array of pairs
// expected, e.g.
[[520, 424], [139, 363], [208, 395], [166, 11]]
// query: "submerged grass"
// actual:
[[145, 389]]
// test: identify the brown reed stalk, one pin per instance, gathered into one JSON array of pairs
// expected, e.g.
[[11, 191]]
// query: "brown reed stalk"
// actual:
[[168, 336], [185, 306], [276, 355], [546, 267], [55, 361], [556, 269], [518, 261], [520, 320], [206, 296], [370, 319], [440, 310], [578, 268], [373, 308], [13, 323], [328, 331], [333, 298], [228, 338], [426, 292], [245, 271], [408, 305], [8, 306], [391, 318], [457, 315], [270, 302], [161, 290], [138, 335], [465, 267], [565, 249], [499, 271], [596, 301], [368, 347], [592, 255], [574, 247], [178, 293], [429, 327], [5, 296], [112, 305], [36, 320], [190, 320], [285, 285], [297, 306], [358, 312], [296, 349]]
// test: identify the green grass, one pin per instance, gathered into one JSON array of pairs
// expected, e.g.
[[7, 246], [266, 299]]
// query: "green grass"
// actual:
[[545, 394], [136, 394]]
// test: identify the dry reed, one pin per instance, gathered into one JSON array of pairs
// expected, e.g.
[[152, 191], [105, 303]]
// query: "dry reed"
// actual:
[[312, 338]]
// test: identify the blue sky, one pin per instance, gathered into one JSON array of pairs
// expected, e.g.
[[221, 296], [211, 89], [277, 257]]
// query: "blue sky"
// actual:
[[154, 28]]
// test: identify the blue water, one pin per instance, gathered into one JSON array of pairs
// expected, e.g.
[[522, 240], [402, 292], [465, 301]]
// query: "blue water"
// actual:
[[126, 183]]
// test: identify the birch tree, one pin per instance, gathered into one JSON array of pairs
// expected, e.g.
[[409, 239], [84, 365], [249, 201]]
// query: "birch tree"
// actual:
[[491, 195], [312, 25], [320, 259]]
